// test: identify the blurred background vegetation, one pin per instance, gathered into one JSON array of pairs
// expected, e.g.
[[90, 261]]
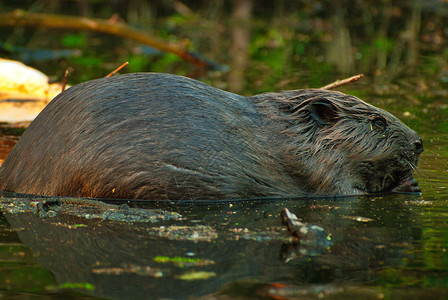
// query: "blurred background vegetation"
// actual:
[[263, 45]]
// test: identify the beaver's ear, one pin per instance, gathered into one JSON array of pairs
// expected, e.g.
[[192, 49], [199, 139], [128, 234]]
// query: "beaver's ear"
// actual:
[[323, 111]]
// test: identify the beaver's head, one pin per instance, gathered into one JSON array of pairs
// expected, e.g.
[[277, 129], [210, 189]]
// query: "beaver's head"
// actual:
[[341, 145]]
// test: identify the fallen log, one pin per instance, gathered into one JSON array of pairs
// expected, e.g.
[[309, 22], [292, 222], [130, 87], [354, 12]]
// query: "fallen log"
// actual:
[[111, 26]]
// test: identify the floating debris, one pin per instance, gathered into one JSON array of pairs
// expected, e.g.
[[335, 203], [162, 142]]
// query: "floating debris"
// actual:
[[197, 233], [184, 261], [358, 219], [72, 285], [130, 269], [270, 234], [201, 275], [318, 291], [419, 202], [87, 209]]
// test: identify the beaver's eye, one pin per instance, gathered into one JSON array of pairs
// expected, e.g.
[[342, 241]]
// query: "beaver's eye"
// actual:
[[378, 122]]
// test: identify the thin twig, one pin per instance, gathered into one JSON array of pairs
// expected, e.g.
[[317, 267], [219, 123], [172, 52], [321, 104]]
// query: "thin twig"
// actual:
[[117, 69], [338, 83], [64, 81]]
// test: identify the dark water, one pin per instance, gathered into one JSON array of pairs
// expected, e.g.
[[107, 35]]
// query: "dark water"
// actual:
[[393, 246]]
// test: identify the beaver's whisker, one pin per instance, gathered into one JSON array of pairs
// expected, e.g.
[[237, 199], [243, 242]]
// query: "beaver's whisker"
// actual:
[[417, 170], [411, 165]]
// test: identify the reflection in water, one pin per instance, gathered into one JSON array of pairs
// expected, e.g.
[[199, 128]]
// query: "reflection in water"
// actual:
[[202, 249]]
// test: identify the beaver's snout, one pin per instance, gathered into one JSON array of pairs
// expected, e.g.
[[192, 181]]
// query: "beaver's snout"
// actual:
[[407, 185]]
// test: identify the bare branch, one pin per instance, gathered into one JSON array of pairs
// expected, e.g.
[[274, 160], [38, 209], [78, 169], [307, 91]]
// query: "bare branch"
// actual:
[[338, 83], [64, 81], [112, 26], [117, 69]]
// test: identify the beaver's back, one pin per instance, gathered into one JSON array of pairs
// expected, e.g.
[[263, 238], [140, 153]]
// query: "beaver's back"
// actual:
[[149, 136], [159, 136]]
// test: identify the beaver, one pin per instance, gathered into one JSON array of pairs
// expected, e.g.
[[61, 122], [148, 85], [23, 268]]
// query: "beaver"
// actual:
[[161, 136]]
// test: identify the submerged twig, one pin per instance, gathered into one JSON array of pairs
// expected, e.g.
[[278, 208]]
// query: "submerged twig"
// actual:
[[292, 223], [300, 230], [338, 83], [117, 69]]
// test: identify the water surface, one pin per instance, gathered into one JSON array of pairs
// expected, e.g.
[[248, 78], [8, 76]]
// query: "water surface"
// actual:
[[392, 246]]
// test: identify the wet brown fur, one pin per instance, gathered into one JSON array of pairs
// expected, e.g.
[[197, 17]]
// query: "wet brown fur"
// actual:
[[160, 136]]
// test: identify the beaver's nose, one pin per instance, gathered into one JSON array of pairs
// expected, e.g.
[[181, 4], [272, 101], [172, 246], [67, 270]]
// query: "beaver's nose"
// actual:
[[418, 144]]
